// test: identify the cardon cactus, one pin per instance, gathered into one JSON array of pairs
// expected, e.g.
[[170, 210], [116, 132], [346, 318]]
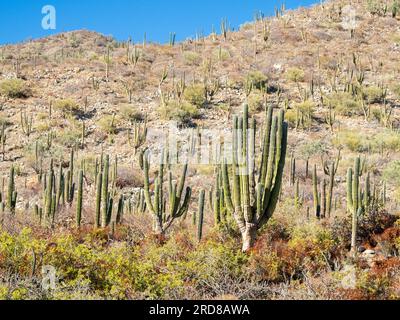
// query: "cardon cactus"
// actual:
[[353, 199], [178, 203], [253, 204]]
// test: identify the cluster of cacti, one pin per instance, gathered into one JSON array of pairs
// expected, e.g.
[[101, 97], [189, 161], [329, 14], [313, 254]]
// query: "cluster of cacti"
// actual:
[[252, 204], [140, 203], [165, 209], [217, 200], [172, 39], [354, 204]]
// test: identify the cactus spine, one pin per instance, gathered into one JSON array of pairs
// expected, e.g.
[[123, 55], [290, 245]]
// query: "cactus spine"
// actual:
[[253, 205]]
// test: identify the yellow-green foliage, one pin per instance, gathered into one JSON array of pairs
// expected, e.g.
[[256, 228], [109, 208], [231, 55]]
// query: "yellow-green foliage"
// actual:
[[14, 88], [68, 106], [257, 78], [392, 172], [256, 102], [295, 74], [344, 104], [375, 142], [181, 112], [192, 58], [108, 124], [130, 113], [373, 94], [195, 95]]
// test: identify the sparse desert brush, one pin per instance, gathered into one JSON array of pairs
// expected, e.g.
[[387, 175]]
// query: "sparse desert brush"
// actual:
[[256, 102], [344, 103], [14, 88], [374, 94], [192, 58], [108, 124], [257, 79], [130, 113], [67, 106], [182, 112], [312, 148], [69, 137], [352, 140], [195, 95], [295, 75], [392, 172]]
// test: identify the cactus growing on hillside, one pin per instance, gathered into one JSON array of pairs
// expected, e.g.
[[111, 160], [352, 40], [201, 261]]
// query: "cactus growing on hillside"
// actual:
[[317, 203], [178, 203], [79, 200], [11, 193], [353, 199], [253, 205], [200, 215]]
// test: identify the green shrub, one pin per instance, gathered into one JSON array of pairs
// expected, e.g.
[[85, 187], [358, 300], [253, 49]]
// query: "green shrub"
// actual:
[[195, 95], [14, 88], [344, 104], [108, 124], [256, 102], [182, 112], [295, 75], [192, 58], [66, 106], [130, 113], [373, 94], [312, 148], [258, 79], [392, 172]]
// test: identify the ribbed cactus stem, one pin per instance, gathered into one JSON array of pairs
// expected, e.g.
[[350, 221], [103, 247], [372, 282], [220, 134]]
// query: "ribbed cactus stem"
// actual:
[[79, 200], [11, 198], [250, 206], [105, 192], [317, 205], [201, 215]]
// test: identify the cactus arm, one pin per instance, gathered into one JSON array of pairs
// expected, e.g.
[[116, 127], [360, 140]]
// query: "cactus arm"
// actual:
[[265, 153], [278, 179], [227, 188], [147, 184]]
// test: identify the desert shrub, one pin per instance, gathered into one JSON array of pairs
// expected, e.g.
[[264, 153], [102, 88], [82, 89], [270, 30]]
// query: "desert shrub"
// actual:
[[386, 140], [344, 103], [373, 94], [192, 58], [195, 95], [108, 124], [182, 112], [291, 117], [130, 113], [221, 54], [313, 148], [69, 137], [14, 88], [258, 79], [352, 140], [67, 106], [295, 75], [255, 102], [392, 172]]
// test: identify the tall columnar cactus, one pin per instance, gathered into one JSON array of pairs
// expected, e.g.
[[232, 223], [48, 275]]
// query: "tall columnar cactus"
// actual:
[[323, 200], [292, 170], [105, 194], [99, 183], [11, 193], [178, 203], [3, 139], [200, 215], [330, 189], [26, 123], [297, 201], [252, 204], [317, 203], [79, 200], [353, 199]]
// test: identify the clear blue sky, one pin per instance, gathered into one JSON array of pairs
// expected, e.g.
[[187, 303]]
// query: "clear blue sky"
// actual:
[[22, 19]]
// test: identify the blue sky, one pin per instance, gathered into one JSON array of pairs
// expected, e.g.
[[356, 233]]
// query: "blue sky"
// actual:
[[22, 19]]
